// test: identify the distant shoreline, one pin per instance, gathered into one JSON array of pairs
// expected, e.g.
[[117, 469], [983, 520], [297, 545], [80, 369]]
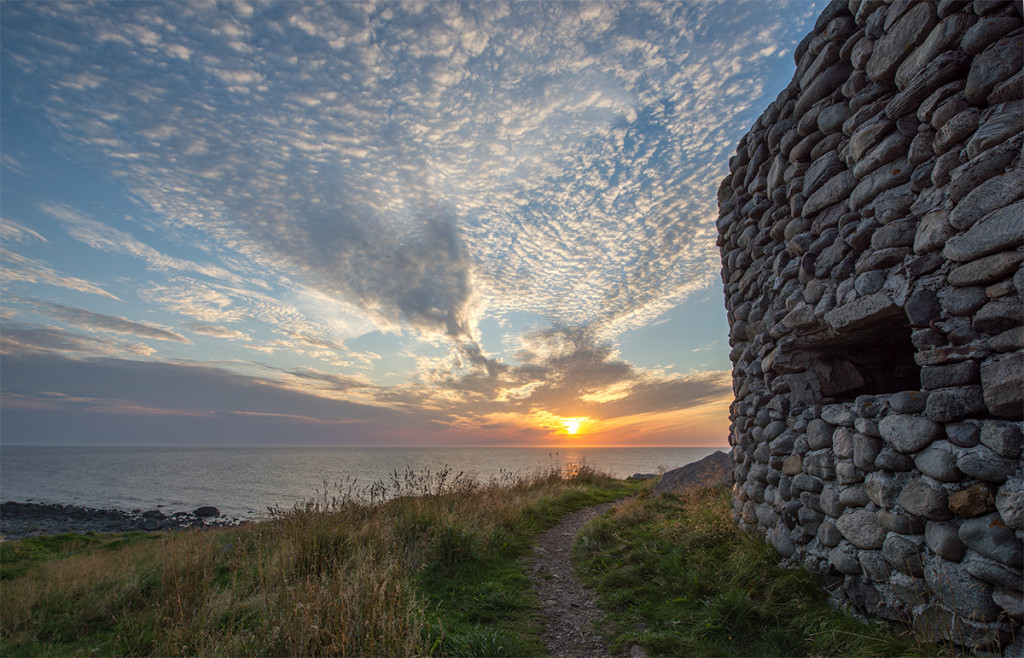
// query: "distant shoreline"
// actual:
[[30, 519]]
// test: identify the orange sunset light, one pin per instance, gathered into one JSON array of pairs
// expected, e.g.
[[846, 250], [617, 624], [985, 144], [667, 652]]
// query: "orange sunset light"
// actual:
[[574, 425]]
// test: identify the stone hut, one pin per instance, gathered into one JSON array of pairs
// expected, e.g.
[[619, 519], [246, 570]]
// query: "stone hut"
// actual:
[[872, 233]]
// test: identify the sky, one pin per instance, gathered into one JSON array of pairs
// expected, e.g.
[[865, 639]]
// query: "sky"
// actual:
[[381, 223]]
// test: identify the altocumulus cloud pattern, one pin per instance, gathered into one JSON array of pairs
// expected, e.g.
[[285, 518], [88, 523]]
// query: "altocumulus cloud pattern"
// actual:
[[415, 168]]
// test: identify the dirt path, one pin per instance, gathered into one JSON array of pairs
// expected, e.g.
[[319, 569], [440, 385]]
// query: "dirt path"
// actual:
[[570, 610]]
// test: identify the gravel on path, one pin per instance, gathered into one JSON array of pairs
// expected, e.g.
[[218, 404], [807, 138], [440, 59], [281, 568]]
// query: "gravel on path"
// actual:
[[570, 610]]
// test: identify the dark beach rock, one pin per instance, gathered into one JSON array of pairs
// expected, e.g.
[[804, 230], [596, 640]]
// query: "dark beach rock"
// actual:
[[713, 470], [19, 520], [205, 511]]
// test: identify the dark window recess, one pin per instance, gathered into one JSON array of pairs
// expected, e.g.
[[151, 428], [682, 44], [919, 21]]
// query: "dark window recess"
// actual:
[[874, 362]]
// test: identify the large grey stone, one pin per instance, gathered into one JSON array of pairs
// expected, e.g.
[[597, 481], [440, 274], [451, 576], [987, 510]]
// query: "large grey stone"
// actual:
[[820, 464], [829, 501], [999, 231], [838, 414], [853, 496], [969, 597], [886, 176], [925, 500], [997, 63], [987, 165], [823, 169], [954, 374], [957, 129], [943, 69], [874, 566], [823, 85], [986, 32], [883, 489], [981, 463], [819, 434], [901, 523], [890, 460], [908, 402], [862, 312], [1010, 502], [992, 572], [933, 231], [844, 558], [1011, 340], [994, 539], [962, 301], [953, 403], [828, 534], [833, 191], [805, 482], [1002, 437], [985, 270], [999, 315], [993, 194], [862, 529], [904, 553], [906, 433], [943, 539], [1010, 600], [1001, 123], [1002, 380], [943, 37], [965, 435], [868, 134], [938, 462], [897, 42], [865, 450]]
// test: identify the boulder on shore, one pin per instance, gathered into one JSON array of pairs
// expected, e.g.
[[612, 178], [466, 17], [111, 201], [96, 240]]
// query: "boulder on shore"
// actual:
[[205, 511], [713, 470]]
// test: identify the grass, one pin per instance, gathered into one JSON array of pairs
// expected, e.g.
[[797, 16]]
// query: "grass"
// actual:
[[428, 563], [677, 577]]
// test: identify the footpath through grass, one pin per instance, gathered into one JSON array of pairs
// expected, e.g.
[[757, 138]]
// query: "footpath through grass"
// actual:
[[677, 577], [428, 564]]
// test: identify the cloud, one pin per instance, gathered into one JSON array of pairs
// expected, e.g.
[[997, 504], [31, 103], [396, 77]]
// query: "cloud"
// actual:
[[21, 339], [427, 162], [107, 238], [12, 230], [49, 398], [22, 268], [99, 322], [217, 331]]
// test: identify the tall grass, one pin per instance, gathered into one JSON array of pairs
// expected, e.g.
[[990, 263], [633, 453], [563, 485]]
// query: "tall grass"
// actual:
[[677, 577], [425, 563]]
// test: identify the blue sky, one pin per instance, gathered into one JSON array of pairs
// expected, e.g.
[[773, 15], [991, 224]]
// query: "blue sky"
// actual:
[[373, 223]]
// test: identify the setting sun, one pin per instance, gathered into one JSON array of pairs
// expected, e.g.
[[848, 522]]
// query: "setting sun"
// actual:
[[572, 425]]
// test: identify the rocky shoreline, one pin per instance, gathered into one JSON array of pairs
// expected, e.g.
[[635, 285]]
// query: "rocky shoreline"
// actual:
[[20, 520]]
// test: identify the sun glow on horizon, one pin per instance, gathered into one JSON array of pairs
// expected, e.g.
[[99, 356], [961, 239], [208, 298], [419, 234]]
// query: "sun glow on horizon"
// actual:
[[574, 425]]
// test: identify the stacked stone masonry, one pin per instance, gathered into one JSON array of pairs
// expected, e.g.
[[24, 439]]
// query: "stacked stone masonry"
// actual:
[[872, 234]]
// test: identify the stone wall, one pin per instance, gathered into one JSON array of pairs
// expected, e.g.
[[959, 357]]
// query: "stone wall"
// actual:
[[871, 231]]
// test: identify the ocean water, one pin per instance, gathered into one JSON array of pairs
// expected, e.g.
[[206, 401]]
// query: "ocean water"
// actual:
[[245, 482]]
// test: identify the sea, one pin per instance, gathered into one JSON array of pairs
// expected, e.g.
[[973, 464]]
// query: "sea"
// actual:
[[246, 483]]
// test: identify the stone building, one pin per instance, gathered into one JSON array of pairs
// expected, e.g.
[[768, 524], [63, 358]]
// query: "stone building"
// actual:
[[872, 233]]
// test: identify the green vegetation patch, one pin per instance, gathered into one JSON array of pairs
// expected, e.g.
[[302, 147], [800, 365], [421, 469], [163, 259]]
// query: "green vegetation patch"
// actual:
[[676, 576], [17, 557], [428, 564]]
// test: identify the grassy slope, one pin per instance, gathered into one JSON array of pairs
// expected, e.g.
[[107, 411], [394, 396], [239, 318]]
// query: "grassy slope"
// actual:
[[437, 569], [678, 577]]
